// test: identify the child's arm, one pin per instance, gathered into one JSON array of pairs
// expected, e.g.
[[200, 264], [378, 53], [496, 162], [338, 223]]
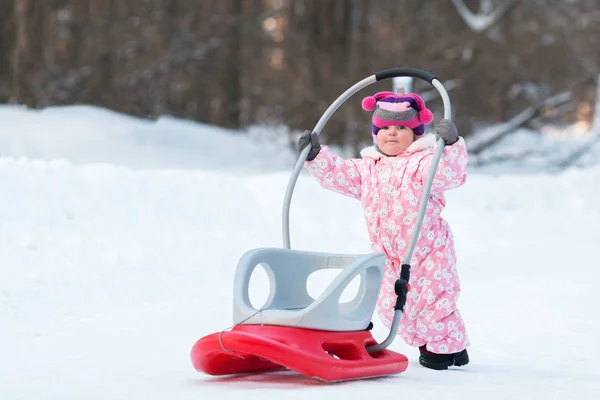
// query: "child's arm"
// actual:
[[335, 173], [452, 168]]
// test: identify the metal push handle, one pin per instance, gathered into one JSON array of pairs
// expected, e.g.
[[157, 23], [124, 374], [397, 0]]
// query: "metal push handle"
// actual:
[[379, 76], [385, 74]]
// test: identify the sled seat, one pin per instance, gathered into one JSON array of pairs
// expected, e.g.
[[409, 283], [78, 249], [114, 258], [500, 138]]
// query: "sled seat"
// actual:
[[289, 303]]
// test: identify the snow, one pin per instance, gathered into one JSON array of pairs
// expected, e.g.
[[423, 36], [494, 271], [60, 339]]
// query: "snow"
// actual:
[[119, 240], [84, 134]]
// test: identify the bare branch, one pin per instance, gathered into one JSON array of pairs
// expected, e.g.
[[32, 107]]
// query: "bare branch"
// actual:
[[579, 152], [482, 20], [503, 155], [480, 142], [448, 85]]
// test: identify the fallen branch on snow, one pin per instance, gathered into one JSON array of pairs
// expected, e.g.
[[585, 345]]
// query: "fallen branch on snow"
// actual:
[[478, 143]]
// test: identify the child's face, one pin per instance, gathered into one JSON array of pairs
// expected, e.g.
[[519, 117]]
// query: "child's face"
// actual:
[[393, 140]]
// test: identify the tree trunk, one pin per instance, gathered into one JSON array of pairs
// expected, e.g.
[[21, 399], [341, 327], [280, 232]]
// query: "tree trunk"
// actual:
[[7, 38], [27, 85], [233, 68]]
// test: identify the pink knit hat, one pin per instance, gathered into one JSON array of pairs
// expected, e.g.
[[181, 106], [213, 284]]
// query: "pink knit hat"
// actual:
[[402, 110]]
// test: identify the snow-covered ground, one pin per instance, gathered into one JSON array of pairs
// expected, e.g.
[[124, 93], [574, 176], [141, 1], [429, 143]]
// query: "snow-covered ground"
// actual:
[[119, 240]]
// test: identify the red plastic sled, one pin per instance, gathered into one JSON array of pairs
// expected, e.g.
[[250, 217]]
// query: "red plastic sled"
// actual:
[[324, 355]]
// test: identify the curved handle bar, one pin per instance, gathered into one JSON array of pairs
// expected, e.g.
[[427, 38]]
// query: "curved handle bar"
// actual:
[[385, 74], [390, 73]]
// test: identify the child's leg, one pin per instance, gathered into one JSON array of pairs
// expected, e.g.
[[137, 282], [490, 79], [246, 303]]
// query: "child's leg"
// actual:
[[430, 315], [387, 295], [445, 332]]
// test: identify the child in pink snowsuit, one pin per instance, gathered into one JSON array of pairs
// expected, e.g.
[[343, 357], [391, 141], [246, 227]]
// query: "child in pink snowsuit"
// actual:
[[389, 180]]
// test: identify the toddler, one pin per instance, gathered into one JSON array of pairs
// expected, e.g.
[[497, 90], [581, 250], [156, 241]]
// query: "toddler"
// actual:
[[388, 179]]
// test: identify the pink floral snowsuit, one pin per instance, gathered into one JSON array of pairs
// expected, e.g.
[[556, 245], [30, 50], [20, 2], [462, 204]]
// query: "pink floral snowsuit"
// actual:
[[390, 189]]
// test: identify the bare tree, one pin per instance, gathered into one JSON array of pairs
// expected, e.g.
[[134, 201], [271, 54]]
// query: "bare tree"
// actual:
[[236, 63], [487, 14]]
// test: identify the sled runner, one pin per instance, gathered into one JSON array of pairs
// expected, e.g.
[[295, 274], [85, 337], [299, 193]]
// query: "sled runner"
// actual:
[[321, 338]]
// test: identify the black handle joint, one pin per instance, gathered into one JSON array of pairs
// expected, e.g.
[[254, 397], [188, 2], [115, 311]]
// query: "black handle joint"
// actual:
[[402, 287], [405, 272], [412, 72]]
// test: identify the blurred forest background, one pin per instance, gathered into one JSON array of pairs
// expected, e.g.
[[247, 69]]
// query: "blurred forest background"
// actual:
[[238, 63]]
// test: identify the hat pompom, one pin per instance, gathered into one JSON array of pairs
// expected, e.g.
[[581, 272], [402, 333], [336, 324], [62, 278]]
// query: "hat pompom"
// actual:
[[369, 103], [425, 116]]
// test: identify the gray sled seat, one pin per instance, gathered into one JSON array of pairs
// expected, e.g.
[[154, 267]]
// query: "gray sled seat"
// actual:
[[289, 303]]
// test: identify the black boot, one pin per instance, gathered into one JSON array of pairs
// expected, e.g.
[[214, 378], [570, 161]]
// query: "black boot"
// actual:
[[442, 361]]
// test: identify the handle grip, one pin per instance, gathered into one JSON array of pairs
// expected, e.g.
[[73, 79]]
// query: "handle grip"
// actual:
[[410, 72]]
